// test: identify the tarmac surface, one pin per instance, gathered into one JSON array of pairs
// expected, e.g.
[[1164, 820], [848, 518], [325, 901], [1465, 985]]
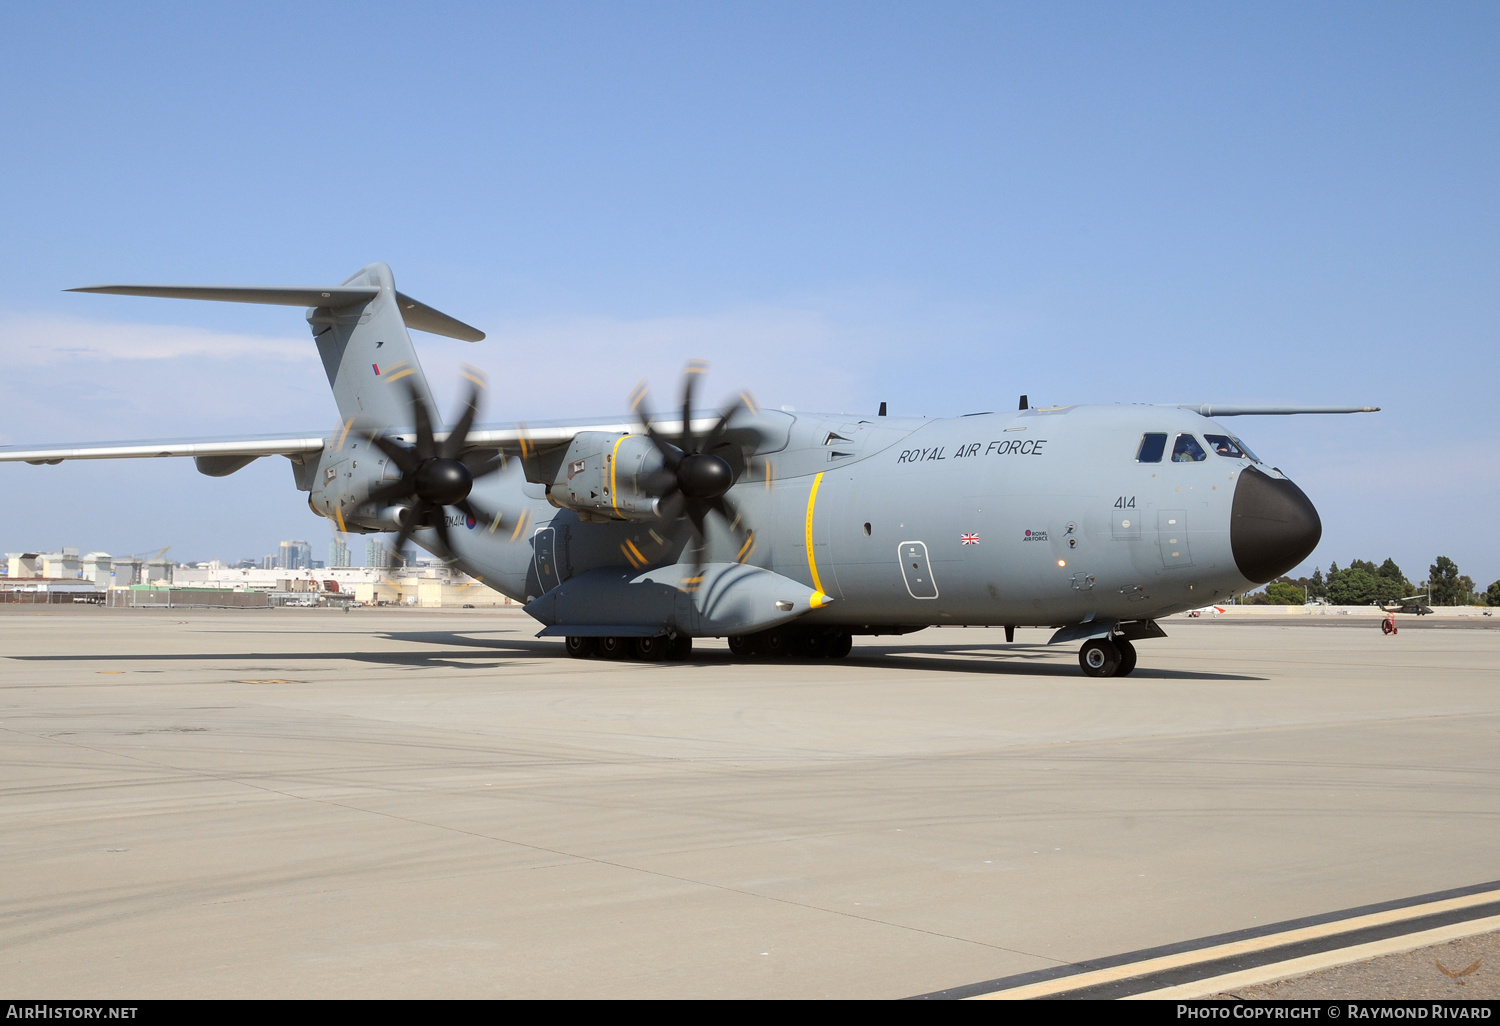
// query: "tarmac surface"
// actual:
[[411, 803]]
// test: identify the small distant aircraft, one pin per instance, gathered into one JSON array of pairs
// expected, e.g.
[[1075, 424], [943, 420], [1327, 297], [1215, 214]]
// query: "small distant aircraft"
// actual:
[[1414, 604], [787, 533]]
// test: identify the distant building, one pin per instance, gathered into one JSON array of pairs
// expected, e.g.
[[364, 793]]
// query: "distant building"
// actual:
[[99, 568], [24, 564], [338, 553], [295, 555]]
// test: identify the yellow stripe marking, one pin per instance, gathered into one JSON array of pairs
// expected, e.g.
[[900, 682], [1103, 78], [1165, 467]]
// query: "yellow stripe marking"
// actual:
[[746, 548], [344, 435], [1047, 988], [521, 525], [812, 564], [338, 515], [614, 460], [399, 375], [1325, 960]]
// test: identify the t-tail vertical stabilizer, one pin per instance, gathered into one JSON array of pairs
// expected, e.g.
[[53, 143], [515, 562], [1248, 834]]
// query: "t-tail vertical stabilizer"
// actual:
[[360, 328]]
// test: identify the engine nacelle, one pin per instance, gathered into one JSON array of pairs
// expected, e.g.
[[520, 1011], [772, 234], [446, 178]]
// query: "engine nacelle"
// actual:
[[601, 473], [343, 477]]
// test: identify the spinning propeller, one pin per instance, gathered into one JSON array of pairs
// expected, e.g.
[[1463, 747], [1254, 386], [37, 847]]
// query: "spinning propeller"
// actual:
[[693, 478], [433, 476]]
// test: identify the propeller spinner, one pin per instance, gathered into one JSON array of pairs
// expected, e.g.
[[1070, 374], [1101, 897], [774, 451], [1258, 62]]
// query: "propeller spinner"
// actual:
[[694, 478], [433, 475]]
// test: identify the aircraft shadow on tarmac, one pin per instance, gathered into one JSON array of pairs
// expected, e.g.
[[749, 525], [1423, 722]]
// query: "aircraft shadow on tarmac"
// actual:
[[464, 651], [1029, 660]]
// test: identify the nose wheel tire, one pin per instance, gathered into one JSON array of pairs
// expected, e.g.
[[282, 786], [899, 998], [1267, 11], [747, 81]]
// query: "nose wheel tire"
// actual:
[[1100, 658]]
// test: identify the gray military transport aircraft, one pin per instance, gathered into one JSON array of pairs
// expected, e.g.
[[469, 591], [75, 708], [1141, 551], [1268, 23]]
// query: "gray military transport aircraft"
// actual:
[[787, 533]]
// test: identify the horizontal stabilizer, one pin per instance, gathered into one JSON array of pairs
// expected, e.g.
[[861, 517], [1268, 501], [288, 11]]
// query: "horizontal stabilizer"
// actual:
[[1217, 410], [416, 314]]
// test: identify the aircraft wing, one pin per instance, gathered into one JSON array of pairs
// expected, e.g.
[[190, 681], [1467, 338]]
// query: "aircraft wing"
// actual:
[[1222, 410], [264, 445], [515, 439]]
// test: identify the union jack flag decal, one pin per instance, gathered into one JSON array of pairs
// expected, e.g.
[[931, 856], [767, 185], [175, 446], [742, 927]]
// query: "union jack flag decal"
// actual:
[[969, 539]]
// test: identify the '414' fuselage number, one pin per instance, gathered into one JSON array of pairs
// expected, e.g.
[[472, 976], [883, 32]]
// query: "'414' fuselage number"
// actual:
[[1125, 502]]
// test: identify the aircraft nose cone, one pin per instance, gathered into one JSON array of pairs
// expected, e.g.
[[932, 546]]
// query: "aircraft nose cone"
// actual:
[[444, 482], [1273, 526]]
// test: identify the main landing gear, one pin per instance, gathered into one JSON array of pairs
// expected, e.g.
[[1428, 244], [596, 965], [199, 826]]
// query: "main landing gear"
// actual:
[[772, 644], [780, 642], [646, 650], [1107, 657]]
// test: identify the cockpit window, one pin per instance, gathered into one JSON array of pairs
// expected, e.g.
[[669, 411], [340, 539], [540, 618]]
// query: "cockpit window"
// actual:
[[1152, 446], [1187, 450], [1246, 450], [1223, 445]]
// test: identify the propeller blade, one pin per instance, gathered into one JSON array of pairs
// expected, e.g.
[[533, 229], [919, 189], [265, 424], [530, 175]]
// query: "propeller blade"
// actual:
[[491, 521], [426, 449], [671, 505], [394, 490], [488, 467], [723, 424], [658, 482], [404, 459], [726, 509], [640, 403], [695, 369], [458, 438], [440, 525]]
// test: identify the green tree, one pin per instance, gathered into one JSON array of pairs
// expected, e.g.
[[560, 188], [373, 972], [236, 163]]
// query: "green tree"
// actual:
[[1283, 593], [1354, 587], [1445, 587], [1316, 588], [1493, 594], [1471, 596]]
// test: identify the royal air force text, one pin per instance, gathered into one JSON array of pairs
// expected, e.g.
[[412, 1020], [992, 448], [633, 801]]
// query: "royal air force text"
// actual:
[[999, 447]]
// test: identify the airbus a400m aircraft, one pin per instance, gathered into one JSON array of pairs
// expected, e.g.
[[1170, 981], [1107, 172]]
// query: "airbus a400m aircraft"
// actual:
[[784, 532]]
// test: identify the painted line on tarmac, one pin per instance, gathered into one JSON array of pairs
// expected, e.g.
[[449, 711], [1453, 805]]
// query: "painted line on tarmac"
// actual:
[[1332, 935], [1327, 960]]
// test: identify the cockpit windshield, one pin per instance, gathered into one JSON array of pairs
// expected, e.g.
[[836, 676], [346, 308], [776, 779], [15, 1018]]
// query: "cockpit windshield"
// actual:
[[1187, 450], [1230, 447]]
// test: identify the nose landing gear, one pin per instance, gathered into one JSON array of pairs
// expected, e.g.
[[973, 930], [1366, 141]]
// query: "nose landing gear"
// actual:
[[1107, 657]]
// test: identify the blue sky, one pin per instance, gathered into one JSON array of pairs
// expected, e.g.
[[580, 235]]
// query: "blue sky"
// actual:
[[939, 206]]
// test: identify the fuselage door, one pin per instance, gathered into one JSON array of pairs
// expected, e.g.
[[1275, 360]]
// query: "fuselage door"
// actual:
[[916, 569], [545, 545], [1172, 534]]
